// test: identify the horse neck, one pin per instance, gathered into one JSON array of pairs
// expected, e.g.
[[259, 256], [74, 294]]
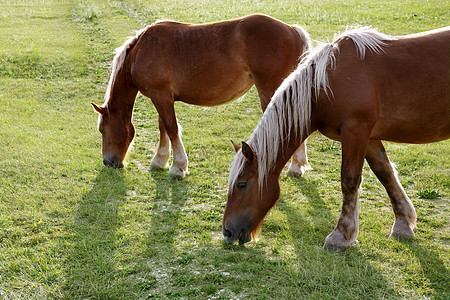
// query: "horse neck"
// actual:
[[287, 149], [275, 141], [122, 96]]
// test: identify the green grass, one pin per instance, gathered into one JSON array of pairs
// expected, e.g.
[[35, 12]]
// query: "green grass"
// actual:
[[73, 229]]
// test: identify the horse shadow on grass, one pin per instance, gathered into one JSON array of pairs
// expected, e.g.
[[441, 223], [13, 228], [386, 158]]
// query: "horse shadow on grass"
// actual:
[[168, 202], [170, 196], [91, 262], [308, 236], [348, 274], [433, 268], [92, 267]]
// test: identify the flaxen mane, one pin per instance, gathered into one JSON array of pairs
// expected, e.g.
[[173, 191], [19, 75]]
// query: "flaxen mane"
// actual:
[[119, 58], [290, 106]]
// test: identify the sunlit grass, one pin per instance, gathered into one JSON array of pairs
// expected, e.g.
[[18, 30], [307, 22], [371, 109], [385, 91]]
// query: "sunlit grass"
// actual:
[[73, 229]]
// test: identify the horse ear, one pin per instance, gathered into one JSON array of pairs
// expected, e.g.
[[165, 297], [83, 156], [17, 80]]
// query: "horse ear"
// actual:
[[248, 152], [98, 109], [236, 146]]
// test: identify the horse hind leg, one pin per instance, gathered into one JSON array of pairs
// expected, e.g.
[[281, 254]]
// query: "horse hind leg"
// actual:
[[179, 168], [161, 158], [299, 163], [405, 215]]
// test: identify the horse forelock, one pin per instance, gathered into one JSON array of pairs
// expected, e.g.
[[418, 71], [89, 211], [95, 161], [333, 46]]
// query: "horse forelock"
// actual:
[[290, 107]]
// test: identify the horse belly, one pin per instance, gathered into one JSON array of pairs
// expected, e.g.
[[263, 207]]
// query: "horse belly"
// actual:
[[415, 134], [209, 89], [413, 119]]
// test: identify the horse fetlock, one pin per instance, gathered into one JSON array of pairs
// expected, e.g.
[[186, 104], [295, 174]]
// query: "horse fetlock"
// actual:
[[409, 213]]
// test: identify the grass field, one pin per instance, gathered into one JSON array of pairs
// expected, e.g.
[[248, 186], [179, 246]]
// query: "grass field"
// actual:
[[71, 228]]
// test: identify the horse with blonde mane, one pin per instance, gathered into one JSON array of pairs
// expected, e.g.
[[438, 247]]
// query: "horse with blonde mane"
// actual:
[[207, 64], [362, 88]]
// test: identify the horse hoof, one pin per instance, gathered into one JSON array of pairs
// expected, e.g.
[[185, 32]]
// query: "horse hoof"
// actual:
[[402, 230], [157, 164], [297, 171], [401, 236], [154, 168], [336, 242], [176, 173]]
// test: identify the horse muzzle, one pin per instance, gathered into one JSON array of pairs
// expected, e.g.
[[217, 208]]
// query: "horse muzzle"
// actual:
[[243, 235], [112, 162]]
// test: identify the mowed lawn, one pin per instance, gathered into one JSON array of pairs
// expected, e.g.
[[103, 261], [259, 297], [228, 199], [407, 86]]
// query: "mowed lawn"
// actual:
[[71, 228]]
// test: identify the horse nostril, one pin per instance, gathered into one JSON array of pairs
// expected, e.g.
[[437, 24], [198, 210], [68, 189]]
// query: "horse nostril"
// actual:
[[108, 162], [112, 162], [227, 233]]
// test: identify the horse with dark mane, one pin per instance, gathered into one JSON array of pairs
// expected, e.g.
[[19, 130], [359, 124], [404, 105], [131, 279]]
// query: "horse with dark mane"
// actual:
[[207, 64], [363, 88]]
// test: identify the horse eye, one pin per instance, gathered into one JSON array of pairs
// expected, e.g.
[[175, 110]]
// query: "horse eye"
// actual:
[[241, 185], [102, 130]]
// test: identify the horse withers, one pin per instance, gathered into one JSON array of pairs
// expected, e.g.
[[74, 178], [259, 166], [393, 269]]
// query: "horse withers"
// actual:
[[363, 88], [208, 64]]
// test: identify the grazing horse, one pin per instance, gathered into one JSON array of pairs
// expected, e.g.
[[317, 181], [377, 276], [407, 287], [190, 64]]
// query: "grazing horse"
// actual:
[[363, 88], [208, 64]]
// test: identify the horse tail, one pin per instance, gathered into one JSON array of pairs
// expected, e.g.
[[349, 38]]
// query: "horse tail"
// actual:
[[119, 59], [304, 36]]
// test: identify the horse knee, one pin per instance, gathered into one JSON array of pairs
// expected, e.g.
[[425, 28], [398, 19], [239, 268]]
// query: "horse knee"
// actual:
[[350, 185]]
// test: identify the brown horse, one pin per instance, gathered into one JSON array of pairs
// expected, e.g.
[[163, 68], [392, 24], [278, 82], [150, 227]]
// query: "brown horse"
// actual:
[[363, 88], [207, 65]]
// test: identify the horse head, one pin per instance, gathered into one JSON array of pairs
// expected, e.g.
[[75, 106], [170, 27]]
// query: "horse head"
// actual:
[[247, 203], [117, 134]]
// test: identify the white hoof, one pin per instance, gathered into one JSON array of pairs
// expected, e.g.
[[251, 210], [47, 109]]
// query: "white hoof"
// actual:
[[158, 163], [176, 172], [298, 171]]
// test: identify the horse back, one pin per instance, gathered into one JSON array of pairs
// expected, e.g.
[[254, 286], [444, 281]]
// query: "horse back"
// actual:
[[403, 90], [210, 64]]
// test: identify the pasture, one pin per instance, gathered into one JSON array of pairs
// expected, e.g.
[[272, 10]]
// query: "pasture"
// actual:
[[71, 228]]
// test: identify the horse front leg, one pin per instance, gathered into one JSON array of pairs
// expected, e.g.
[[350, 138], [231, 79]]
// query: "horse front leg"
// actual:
[[405, 215], [354, 143], [161, 158], [164, 104]]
